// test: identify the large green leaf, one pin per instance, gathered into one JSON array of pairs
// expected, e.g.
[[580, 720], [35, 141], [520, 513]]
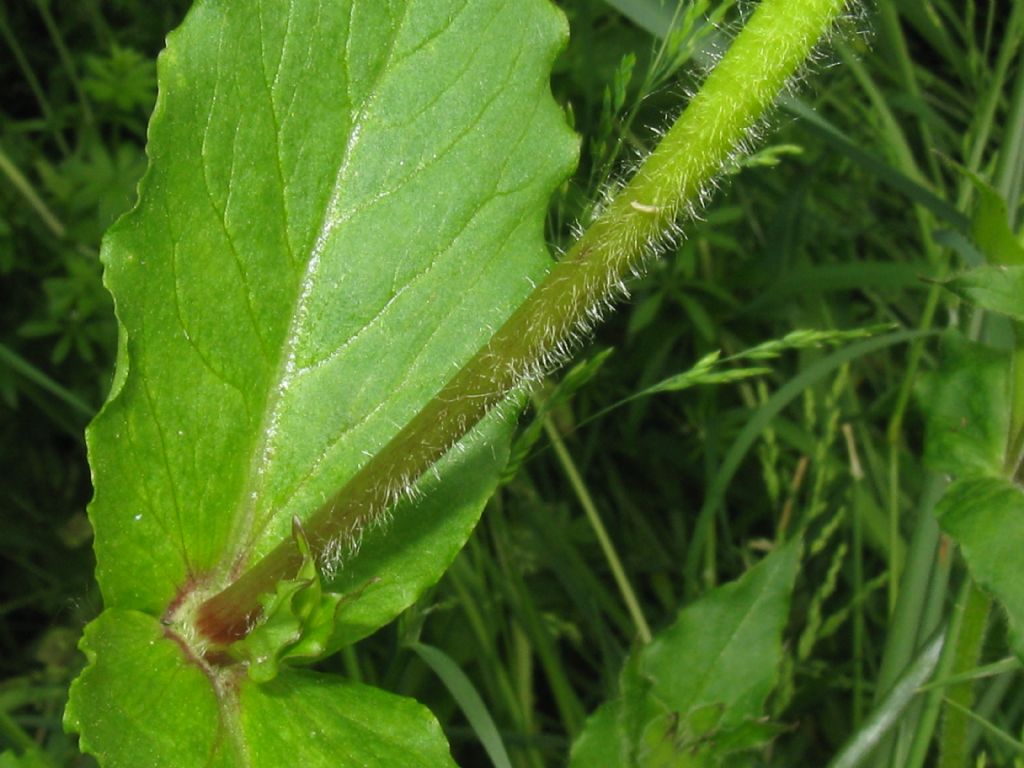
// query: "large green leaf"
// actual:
[[986, 517], [343, 203], [966, 403], [990, 226], [159, 708], [344, 200], [697, 692]]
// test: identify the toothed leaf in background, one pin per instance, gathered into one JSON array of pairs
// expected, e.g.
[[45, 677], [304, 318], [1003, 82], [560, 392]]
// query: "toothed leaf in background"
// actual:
[[985, 515], [343, 202], [697, 692], [997, 286], [994, 288], [967, 410], [990, 226]]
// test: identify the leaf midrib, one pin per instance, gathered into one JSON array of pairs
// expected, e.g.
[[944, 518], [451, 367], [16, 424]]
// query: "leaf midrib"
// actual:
[[242, 538]]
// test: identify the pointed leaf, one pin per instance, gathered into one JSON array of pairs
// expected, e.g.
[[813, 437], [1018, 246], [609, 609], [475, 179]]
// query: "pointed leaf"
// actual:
[[696, 693], [603, 740], [986, 518], [967, 412], [732, 639], [990, 226], [994, 288]]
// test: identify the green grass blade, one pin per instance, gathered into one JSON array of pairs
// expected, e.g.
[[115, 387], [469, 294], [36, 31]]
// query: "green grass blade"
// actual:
[[762, 418], [469, 701], [23, 367], [882, 718]]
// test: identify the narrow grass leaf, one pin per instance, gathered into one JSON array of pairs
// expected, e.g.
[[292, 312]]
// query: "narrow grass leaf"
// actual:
[[1009, 664], [858, 748], [465, 694]]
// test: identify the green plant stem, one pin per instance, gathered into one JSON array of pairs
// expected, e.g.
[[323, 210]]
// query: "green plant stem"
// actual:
[[18, 364], [33, 82], [996, 733], [1009, 175], [993, 97], [470, 601], [1015, 444], [920, 746], [765, 55], [903, 629], [911, 622], [20, 183], [991, 702], [894, 438], [1008, 182], [510, 580], [643, 630], [895, 562], [15, 734], [903, 157], [857, 504], [43, 7], [954, 745], [889, 23]]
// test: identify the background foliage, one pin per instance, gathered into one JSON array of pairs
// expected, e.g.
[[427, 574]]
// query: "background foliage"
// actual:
[[831, 226]]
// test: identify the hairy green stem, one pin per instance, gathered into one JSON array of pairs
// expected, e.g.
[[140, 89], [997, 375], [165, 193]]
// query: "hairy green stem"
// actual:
[[767, 53]]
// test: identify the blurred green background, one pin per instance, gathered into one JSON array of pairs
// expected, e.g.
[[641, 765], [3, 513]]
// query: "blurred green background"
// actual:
[[852, 198]]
